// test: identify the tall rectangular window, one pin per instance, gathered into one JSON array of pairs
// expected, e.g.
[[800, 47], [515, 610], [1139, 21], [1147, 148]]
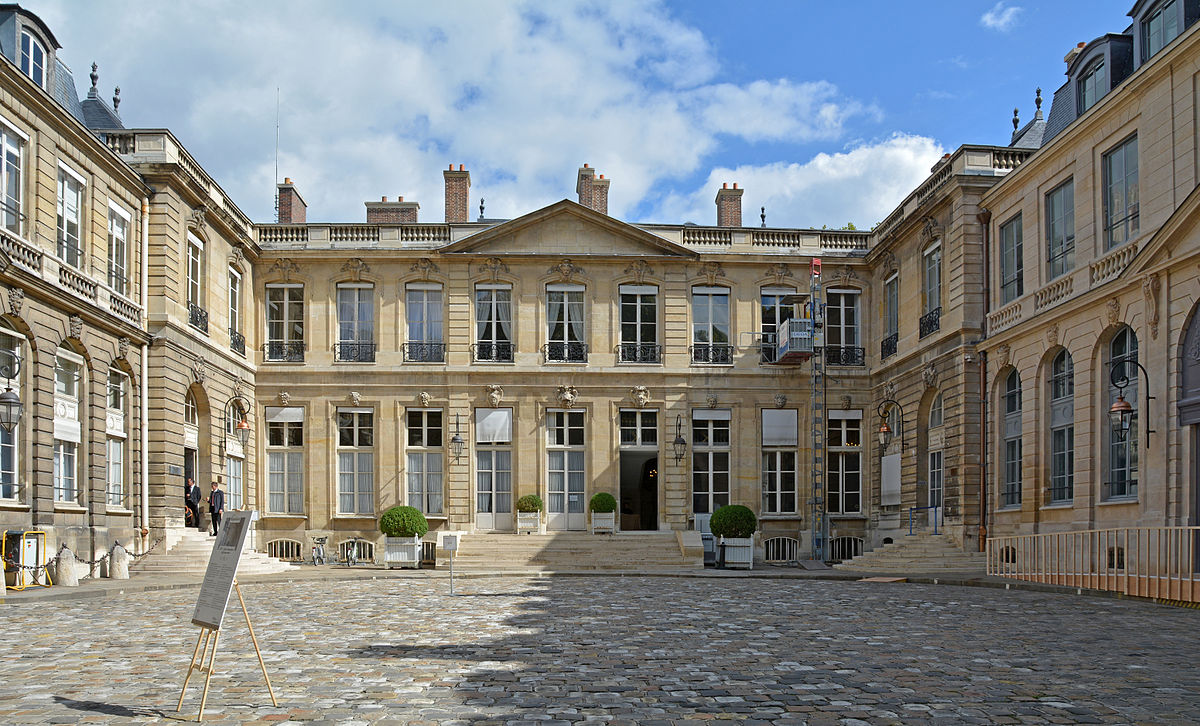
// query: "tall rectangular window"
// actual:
[[285, 322], [356, 322], [65, 471], [936, 481], [424, 457], [842, 347], [356, 460], [493, 462], [235, 300], [1159, 28], [710, 460], [1060, 229], [10, 351], [843, 443], [115, 470], [195, 271], [1010, 493], [1062, 428], [774, 313], [639, 324], [285, 460], [932, 291], [1122, 478], [780, 438], [566, 469], [493, 323], [566, 336], [423, 308], [1093, 84], [1121, 206], [118, 249], [12, 146], [892, 305], [710, 325], [70, 213], [235, 482], [68, 370], [1012, 264]]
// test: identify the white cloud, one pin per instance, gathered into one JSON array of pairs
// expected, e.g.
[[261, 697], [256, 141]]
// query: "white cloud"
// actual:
[[376, 97], [862, 185], [1001, 17]]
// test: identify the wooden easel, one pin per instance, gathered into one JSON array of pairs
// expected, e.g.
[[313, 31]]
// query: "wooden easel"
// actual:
[[208, 636]]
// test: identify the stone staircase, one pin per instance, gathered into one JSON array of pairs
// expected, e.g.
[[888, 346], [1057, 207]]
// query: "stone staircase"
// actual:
[[187, 551], [921, 553], [571, 551]]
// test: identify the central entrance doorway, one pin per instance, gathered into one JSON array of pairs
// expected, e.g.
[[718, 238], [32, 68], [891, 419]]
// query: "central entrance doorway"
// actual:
[[639, 490]]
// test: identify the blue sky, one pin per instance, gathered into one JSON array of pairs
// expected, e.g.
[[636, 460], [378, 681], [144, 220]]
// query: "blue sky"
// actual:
[[826, 113]]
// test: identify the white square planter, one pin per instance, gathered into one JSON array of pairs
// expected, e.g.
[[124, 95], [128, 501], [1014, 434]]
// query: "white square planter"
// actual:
[[604, 522], [528, 522], [402, 551], [739, 552]]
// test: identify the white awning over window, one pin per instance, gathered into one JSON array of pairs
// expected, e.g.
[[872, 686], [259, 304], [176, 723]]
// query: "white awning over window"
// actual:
[[638, 290], [493, 425], [66, 430], [710, 414], [779, 427], [289, 414]]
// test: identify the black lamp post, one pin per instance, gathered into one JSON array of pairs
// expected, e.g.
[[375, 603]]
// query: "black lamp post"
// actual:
[[679, 445], [456, 441], [1121, 413], [11, 407], [885, 431]]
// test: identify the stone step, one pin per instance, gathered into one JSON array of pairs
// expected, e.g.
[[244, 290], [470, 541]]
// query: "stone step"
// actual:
[[924, 552]]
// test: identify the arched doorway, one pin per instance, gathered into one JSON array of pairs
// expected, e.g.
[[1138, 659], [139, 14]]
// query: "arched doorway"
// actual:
[[1189, 416]]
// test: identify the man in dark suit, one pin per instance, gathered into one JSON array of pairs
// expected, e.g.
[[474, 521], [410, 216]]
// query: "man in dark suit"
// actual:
[[192, 497], [216, 507]]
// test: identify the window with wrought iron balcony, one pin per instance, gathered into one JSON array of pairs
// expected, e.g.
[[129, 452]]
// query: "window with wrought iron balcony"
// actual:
[[931, 321], [640, 352], [565, 352], [715, 353], [284, 351], [197, 317], [492, 351], [354, 351], [420, 351]]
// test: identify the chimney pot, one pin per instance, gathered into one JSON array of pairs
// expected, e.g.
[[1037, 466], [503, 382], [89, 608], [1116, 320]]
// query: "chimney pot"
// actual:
[[735, 185], [398, 199], [724, 185], [460, 167], [729, 206], [287, 180], [385, 199], [585, 165]]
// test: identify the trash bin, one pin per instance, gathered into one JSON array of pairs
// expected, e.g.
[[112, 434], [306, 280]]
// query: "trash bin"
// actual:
[[24, 554]]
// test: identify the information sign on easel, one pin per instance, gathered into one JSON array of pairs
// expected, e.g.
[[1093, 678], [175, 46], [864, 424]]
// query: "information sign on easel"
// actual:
[[220, 580]]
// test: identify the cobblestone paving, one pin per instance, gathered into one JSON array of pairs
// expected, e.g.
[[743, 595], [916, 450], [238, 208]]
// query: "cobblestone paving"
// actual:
[[622, 650]]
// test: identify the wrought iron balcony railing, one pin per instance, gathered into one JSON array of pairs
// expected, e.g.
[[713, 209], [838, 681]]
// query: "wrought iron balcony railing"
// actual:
[[419, 352], [354, 352], [931, 321], [565, 352], [237, 342], [720, 353], [489, 352], [197, 317], [640, 352], [1124, 489], [845, 355], [287, 351], [888, 345]]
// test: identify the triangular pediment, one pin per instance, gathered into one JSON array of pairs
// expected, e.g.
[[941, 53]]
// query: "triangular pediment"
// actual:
[[567, 229], [1180, 229]]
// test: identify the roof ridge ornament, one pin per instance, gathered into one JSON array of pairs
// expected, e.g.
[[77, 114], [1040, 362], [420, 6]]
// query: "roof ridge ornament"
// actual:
[[95, 76]]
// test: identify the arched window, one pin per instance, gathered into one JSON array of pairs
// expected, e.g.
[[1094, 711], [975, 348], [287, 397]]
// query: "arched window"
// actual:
[[1062, 428], [11, 346], [191, 415], [1122, 464], [1010, 493], [936, 413]]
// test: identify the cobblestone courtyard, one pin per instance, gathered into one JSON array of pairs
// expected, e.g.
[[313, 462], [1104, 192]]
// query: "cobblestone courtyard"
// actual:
[[623, 650]]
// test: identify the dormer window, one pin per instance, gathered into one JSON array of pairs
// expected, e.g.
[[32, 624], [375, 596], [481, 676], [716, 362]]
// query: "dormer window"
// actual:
[[33, 59], [1093, 84], [1159, 28]]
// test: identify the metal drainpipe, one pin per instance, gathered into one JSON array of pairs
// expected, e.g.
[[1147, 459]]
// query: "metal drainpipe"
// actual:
[[144, 387], [984, 217]]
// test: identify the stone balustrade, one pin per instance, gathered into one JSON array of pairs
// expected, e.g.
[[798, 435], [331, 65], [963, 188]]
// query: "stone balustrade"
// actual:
[[1060, 289], [1005, 317], [1111, 265]]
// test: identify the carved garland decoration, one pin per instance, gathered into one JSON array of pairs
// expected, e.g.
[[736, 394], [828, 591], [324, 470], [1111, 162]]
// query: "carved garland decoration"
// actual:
[[1150, 287], [425, 267], [639, 270], [493, 267], [356, 267], [284, 267]]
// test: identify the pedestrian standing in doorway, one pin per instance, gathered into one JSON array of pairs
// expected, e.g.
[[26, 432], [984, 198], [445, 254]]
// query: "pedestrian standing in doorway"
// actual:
[[193, 496], [216, 506]]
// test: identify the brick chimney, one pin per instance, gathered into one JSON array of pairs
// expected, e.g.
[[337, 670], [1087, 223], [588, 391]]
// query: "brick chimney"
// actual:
[[292, 209], [1073, 53], [729, 206], [593, 192], [458, 194], [583, 185], [397, 212]]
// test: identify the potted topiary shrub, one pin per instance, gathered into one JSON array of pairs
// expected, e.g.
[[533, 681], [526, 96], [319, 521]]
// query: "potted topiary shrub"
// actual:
[[604, 513], [734, 526], [404, 528], [529, 514]]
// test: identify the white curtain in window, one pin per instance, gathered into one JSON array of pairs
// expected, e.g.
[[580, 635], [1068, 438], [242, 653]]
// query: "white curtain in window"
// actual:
[[493, 425], [779, 427]]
